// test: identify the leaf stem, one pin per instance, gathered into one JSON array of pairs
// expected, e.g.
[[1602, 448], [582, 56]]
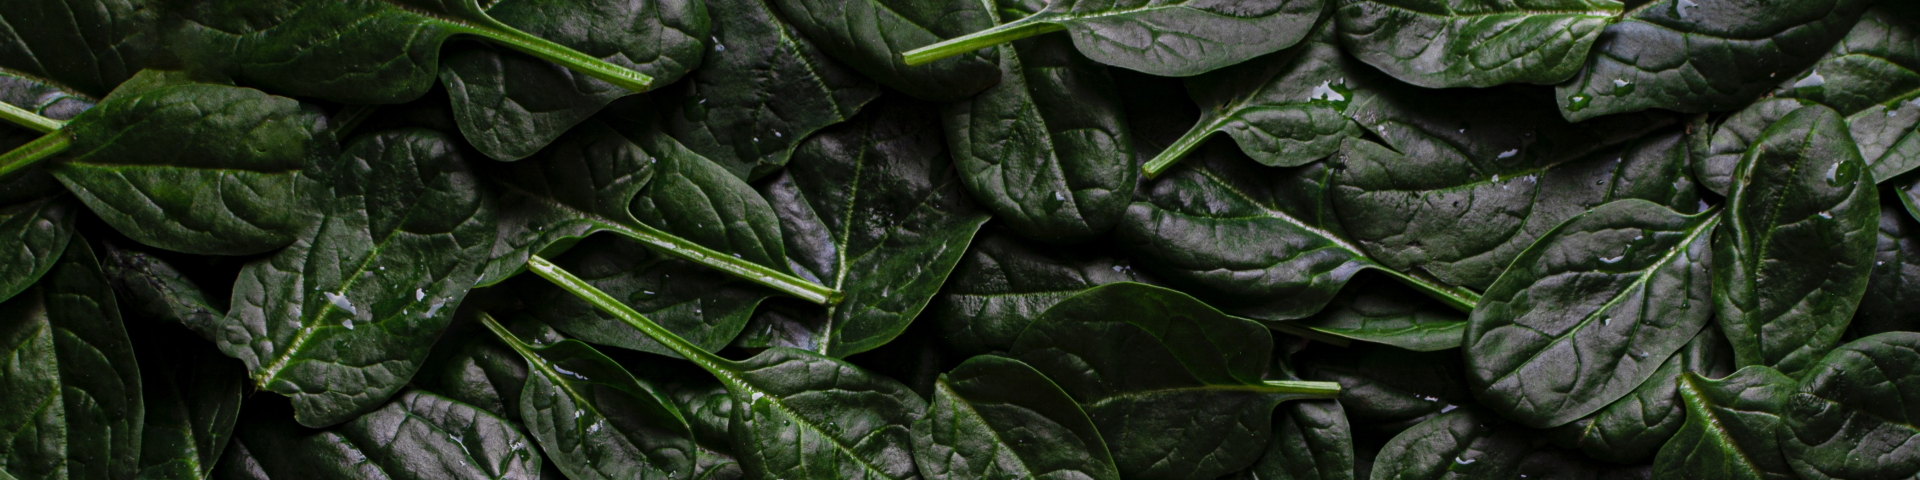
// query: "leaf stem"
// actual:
[[33, 152], [1019, 29], [1457, 297], [606, 303], [26, 118], [1179, 149], [757, 273], [1316, 389], [560, 54]]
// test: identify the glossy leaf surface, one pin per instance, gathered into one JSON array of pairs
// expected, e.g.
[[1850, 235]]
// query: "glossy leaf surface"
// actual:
[[1284, 109], [1850, 415], [86, 46], [1475, 43], [1872, 77], [1474, 443], [36, 218], [703, 306], [1168, 38], [1004, 283], [1387, 388], [418, 436], [1632, 428], [1381, 311], [1730, 428], [871, 35], [149, 287], [997, 418]]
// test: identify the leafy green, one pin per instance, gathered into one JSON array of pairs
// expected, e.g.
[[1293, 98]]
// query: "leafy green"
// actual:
[[151, 288], [761, 90], [341, 319], [1893, 289], [1730, 427], [1792, 257], [88, 46], [1474, 443], [706, 307], [1047, 150], [1692, 56], [192, 397], [1176, 387], [1590, 311], [1389, 388], [592, 418], [1174, 38], [1373, 310], [870, 36], [418, 435], [1312, 439], [472, 366], [1718, 150], [1851, 415], [1004, 283], [708, 408], [1475, 43], [996, 418], [873, 209], [1872, 77], [73, 406], [1631, 429], [34, 230]]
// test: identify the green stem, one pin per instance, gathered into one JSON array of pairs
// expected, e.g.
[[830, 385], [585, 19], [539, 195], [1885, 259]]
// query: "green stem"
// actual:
[[560, 54], [1317, 389], [757, 273], [1022, 28], [606, 303], [33, 152], [1459, 298], [26, 118], [1180, 148]]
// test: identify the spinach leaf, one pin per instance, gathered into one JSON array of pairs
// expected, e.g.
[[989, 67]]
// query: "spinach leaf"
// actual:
[[1850, 416], [1169, 38], [1718, 150], [1475, 43], [73, 406], [873, 209], [706, 307], [1388, 388], [1694, 57], [192, 395], [1631, 429], [1004, 283], [1373, 310], [1475, 443], [1284, 108], [1893, 289], [365, 293], [36, 229], [708, 408], [88, 47], [151, 288], [418, 435], [472, 366], [1178, 386], [510, 104], [1047, 150], [1590, 311], [1469, 178], [870, 36], [762, 89], [1872, 77], [1730, 427], [1312, 439], [380, 51], [1259, 242], [997, 418], [593, 418], [1792, 257], [827, 418]]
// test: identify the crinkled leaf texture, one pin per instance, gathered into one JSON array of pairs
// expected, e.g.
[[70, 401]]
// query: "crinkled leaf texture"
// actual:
[[1730, 428], [1475, 43], [1004, 283], [36, 216], [418, 435], [1892, 301], [1373, 309], [1177, 38], [805, 416], [1474, 443], [871, 35], [703, 305], [1389, 389], [151, 288], [1285, 108], [997, 418], [1633, 428], [1853, 414], [88, 46]]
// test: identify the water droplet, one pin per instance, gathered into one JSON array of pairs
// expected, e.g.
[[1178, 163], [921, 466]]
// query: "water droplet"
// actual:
[[1335, 94], [1680, 9], [341, 302], [736, 255], [1622, 88], [1462, 461], [1811, 81], [1580, 101], [1059, 197], [756, 397], [1840, 173], [1640, 354], [1612, 260], [1826, 215], [348, 324], [1509, 153], [1448, 408], [419, 294], [1606, 320], [434, 307]]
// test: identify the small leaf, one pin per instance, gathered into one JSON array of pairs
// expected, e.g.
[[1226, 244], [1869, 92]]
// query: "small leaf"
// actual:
[[996, 418], [1730, 428], [1475, 43]]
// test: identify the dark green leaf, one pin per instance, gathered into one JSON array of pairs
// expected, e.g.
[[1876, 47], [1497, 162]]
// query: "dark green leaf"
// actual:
[[871, 35], [1047, 150], [761, 91], [1730, 428], [1892, 301], [1176, 386], [1375, 310], [1853, 415], [581, 184], [151, 288], [418, 436], [34, 231], [593, 419], [1467, 179], [1312, 440], [72, 407], [341, 319], [89, 46], [472, 366], [997, 418], [192, 397], [1391, 388], [200, 168], [1792, 257], [1474, 443], [1590, 311], [1694, 57], [1872, 77], [511, 104], [1718, 149], [1003, 283], [1631, 429], [1475, 43], [873, 209], [704, 306], [1169, 38], [708, 408]]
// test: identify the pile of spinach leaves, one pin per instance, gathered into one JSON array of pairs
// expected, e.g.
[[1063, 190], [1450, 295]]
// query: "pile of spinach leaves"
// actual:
[[959, 239]]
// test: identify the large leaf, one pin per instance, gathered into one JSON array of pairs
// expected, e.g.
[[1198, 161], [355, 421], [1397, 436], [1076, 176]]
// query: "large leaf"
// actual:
[[73, 407], [704, 306], [593, 418], [1693, 56], [1475, 43], [1047, 150], [871, 35], [1175, 38], [192, 396], [1792, 256], [761, 90], [1872, 77], [1590, 311], [1892, 301], [1387, 388], [796, 414], [1004, 283], [1468, 179], [1475, 443], [88, 46], [36, 218], [1373, 309], [996, 418], [341, 319], [511, 104], [1631, 429], [1176, 387], [874, 209], [1730, 428], [200, 168], [418, 436], [1853, 415]]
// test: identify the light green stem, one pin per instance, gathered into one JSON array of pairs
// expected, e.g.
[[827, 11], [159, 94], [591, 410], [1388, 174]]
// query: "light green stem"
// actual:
[[1180, 148], [1317, 389], [606, 303], [1457, 297], [560, 54], [33, 152], [1022, 28], [757, 273], [26, 118]]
